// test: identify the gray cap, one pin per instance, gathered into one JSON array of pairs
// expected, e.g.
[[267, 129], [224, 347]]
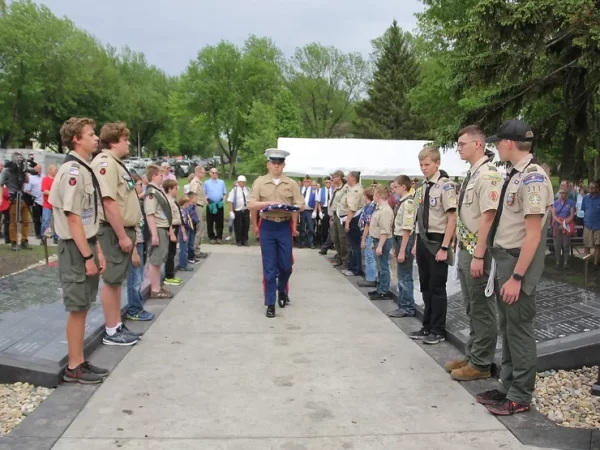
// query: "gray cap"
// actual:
[[275, 154]]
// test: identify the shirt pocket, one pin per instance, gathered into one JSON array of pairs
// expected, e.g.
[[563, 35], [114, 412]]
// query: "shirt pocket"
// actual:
[[469, 194], [512, 202], [435, 200]]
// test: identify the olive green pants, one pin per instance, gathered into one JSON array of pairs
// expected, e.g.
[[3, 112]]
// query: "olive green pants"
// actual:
[[481, 311], [340, 241], [519, 352]]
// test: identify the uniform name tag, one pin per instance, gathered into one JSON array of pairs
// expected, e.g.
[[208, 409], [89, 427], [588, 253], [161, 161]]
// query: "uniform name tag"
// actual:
[[87, 216]]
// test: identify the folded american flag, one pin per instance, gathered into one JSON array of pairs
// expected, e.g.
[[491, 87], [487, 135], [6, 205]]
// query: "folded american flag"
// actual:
[[280, 207]]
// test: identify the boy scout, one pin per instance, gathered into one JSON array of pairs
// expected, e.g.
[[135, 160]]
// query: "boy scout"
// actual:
[[436, 220], [477, 206], [349, 210], [118, 218], [339, 236], [276, 227], [159, 219], [380, 230], [404, 237], [197, 187], [518, 248], [75, 200]]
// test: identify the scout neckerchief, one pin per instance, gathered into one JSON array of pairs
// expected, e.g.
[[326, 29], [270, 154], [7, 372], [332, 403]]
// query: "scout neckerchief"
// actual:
[[71, 157], [162, 201]]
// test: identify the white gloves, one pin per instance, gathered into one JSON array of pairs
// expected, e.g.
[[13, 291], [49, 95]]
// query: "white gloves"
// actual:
[[314, 214], [231, 215], [321, 215]]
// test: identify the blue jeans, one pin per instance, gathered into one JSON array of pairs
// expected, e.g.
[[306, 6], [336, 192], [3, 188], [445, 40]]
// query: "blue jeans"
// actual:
[[183, 249], [135, 303], [307, 228], [404, 271], [383, 265], [191, 239], [370, 266], [354, 237], [46, 219]]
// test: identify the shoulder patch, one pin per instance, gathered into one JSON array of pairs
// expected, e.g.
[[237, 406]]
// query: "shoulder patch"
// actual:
[[532, 169], [449, 187], [103, 156], [74, 171], [492, 176], [534, 178], [150, 196], [103, 163]]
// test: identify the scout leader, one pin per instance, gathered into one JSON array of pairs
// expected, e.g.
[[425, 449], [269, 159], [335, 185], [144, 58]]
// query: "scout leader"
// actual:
[[118, 219], [436, 220], [340, 242], [277, 226], [477, 205], [349, 211], [518, 248], [75, 198]]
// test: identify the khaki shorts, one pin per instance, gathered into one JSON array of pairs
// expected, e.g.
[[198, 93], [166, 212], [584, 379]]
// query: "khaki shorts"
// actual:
[[79, 290], [157, 256], [117, 262], [591, 238]]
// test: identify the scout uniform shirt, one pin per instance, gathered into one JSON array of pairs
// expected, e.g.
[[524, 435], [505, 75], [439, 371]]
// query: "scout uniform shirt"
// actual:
[[529, 192], [286, 191], [197, 187], [175, 211], [336, 198], [153, 207], [480, 194], [352, 200], [73, 192], [382, 221], [116, 184], [405, 216], [442, 198]]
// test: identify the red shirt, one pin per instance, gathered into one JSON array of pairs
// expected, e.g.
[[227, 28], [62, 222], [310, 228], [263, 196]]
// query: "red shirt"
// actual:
[[46, 186], [6, 201]]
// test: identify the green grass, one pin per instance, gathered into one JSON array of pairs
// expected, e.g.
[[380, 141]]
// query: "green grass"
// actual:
[[11, 262]]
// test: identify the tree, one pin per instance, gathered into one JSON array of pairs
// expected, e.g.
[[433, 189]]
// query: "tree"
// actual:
[[326, 83], [387, 113]]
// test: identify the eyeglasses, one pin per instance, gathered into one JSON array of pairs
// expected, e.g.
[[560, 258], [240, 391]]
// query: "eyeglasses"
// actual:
[[462, 144]]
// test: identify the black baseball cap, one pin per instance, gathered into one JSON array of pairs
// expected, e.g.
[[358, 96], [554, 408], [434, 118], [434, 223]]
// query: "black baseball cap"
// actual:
[[513, 130]]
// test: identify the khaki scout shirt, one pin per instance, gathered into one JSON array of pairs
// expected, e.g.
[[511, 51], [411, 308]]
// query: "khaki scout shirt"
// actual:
[[381, 221], [481, 194], [405, 216], [529, 192], [336, 199], [153, 208], [442, 198], [73, 192], [286, 192], [175, 212], [353, 200], [116, 184], [197, 187]]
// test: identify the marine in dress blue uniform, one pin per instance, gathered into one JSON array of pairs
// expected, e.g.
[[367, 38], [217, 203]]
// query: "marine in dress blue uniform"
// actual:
[[278, 199]]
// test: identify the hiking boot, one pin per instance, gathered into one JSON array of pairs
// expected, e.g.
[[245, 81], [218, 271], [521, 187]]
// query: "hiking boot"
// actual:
[[469, 373], [97, 370], [82, 374], [490, 397], [507, 408], [418, 335], [456, 364]]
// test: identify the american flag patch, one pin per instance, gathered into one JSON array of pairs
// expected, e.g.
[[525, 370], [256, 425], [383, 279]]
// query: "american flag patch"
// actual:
[[73, 171], [103, 163]]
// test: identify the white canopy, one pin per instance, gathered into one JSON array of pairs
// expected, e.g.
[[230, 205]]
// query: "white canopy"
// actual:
[[375, 159]]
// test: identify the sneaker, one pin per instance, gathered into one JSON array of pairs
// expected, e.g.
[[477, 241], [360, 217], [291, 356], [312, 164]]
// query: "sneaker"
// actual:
[[380, 296], [507, 408], [219, 242], [142, 316], [25, 246], [228, 238], [186, 269], [271, 311], [348, 273], [457, 364], [490, 397], [419, 335], [212, 241], [121, 339], [82, 374], [193, 261], [131, 333], [97, 370], [172, 281], [371, 293], [433, 339], [469, 373], [399, 314]]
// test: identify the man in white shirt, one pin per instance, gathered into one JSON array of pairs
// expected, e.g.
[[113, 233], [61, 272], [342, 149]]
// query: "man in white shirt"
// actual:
[[238, 209], [323, 198], [34, 188]]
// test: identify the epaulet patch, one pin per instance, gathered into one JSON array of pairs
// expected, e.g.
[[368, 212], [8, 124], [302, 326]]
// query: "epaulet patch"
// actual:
[[493, 167], [532, 169]]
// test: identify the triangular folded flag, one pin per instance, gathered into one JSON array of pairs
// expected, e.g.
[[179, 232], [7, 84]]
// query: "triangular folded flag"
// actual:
[[280, 207]]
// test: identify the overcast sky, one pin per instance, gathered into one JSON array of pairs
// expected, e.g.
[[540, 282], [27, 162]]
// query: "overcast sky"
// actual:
[[170, 32]]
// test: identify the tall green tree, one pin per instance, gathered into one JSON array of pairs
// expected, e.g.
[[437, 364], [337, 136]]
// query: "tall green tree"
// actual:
[[326, 82], [387, 113]]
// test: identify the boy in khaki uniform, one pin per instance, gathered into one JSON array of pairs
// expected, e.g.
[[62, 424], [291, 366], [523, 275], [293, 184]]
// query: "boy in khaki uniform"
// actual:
[[404, 239], [159, 219], [337, 228], [518, 247], [436, 221], [477, 205], [118, 218], [380, 230], [75, 200], [349, 210], [197, 187]]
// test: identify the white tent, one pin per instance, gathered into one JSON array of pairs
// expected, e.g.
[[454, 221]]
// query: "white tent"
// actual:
[[375, 159]]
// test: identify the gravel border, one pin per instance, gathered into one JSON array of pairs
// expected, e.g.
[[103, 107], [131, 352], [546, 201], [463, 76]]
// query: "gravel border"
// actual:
[[17, 401]]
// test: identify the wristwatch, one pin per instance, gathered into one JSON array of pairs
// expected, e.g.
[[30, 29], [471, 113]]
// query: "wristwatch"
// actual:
[[87, 258], [444, 248], [517, 276]]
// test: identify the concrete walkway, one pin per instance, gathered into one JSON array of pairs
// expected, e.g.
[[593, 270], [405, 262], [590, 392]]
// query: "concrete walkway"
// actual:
[[330, 372]]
